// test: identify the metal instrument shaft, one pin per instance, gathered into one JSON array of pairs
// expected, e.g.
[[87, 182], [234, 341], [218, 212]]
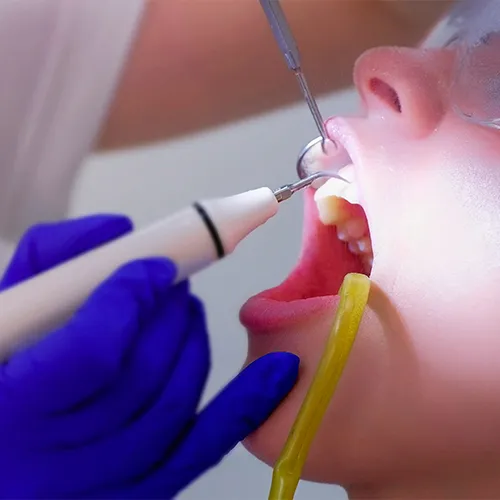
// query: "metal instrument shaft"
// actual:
[[286, 192], [283, 35]]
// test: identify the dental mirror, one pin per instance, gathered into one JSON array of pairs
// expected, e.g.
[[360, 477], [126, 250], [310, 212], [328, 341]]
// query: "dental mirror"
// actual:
[[324, 156]]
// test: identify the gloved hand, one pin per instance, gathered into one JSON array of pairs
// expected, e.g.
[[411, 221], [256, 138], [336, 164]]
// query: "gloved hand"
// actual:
[[106, 406]]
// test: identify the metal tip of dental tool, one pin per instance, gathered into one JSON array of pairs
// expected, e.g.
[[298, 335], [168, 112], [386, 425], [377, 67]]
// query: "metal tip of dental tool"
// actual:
[[286, 192]]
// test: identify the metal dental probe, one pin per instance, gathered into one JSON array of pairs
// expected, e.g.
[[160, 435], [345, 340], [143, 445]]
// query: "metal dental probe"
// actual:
[[193, 238], [286, 43], [286, 192]]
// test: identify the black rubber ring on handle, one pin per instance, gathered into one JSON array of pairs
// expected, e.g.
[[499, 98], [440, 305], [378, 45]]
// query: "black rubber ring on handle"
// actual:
[[211, 229]]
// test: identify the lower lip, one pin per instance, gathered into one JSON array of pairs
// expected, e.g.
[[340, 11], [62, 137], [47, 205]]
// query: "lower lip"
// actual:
[[263, 315]]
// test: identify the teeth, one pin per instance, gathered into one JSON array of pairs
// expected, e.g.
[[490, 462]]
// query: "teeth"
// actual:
[[365, 245], [356, 228], [332, 187], [331, 209], [342, 235], [341, 189], [351, 194], [335, 201], [354, 247], [330, 198]]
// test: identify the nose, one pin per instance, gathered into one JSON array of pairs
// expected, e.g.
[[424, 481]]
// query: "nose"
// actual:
[[404, 85]]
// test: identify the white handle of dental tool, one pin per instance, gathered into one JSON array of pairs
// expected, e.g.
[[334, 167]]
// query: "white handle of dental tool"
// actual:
[[193, 238]]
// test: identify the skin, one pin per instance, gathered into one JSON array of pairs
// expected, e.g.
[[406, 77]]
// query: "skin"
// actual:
[[196, 65], [417, 412]]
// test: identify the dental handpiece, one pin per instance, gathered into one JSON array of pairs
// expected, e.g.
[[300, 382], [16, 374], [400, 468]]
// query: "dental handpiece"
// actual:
[[193, 238]]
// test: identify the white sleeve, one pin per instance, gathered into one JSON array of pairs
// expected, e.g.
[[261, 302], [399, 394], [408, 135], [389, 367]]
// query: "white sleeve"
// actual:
[[60, 62]]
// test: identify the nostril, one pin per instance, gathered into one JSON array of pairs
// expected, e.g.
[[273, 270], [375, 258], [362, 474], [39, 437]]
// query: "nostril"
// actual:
[[386, 93]]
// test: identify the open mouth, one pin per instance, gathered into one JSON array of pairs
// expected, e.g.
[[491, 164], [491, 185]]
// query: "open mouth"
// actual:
[[336, 242]]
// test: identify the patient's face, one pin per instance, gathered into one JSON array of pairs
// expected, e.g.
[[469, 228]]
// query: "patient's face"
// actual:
[[421, 391]]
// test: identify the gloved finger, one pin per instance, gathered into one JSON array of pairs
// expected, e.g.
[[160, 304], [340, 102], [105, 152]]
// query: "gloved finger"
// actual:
[[135, 449], [234, 414], [47, 245], [145, 375], [78, 361]]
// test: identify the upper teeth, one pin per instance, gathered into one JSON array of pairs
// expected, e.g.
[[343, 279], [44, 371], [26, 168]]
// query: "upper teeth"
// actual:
[[328, 197], [340, 189], [338, 205]]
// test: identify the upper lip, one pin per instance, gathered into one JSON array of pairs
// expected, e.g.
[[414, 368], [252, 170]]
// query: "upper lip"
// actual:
[[342, 133]]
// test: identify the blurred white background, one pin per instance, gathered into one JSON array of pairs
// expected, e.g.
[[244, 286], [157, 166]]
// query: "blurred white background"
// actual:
[[152, 182]]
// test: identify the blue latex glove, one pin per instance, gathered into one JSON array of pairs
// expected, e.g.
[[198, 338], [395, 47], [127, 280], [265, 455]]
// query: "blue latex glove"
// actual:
[[107, 405]]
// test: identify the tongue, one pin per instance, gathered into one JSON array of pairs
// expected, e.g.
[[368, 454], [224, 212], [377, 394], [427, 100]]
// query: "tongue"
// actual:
[[323, 263]]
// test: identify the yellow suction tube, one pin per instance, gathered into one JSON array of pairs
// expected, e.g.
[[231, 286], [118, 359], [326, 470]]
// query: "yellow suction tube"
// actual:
[[288, 468]]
